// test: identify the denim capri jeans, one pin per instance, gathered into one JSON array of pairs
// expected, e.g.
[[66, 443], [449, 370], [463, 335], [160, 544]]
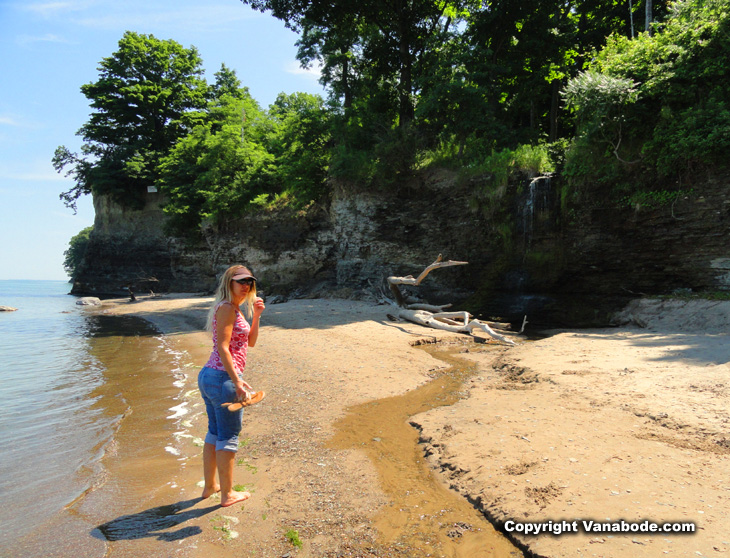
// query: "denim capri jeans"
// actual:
[[224, 426]]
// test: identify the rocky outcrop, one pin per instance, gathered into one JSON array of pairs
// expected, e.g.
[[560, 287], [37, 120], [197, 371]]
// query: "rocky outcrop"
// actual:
[[127, 248], [678, 245], [527, 253], [88, 301]]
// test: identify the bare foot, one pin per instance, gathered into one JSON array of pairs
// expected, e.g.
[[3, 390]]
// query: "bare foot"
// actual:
[[234, 498], [208, 492]]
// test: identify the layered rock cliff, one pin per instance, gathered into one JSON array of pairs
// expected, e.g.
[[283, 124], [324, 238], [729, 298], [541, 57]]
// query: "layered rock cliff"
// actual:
[[529, 254]]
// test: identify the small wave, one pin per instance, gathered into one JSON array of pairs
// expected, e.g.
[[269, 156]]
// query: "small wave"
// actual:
[[180, 410]]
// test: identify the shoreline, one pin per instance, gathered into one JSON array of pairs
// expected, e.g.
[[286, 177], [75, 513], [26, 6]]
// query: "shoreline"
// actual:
[[624, 423], [607, 425]]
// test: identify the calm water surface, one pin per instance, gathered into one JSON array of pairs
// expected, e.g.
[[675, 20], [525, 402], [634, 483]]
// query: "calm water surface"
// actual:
[[71, 381]]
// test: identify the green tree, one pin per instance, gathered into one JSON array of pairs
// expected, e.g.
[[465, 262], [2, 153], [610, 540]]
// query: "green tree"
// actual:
[[498, 83], [601, 104], [678, 119], [370, 45], [217, 169], [519, 54], [74, 255], [228, 162], [299, 140], [226, 83], [149, 94]]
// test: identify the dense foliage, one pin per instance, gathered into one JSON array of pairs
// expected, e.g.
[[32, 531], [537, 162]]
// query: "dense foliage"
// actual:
[[76, 250], [213, 171], [150, 93], [486, 87], [656, 106], [210, 149], [481, 75], [241, 156]]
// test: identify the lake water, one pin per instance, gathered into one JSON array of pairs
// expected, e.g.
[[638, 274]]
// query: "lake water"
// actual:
[[88, 412]]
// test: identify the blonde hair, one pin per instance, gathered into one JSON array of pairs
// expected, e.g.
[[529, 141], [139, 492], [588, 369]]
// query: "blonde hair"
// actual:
[[223, 292]]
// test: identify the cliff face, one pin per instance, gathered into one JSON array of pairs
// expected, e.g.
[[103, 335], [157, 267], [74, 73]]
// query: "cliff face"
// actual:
[[528, 255], [603, 253], [127, 248]]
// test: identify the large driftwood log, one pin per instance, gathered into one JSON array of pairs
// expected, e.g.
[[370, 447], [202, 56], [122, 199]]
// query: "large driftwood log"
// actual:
[[434, 316], [393, 282], [445, 322]]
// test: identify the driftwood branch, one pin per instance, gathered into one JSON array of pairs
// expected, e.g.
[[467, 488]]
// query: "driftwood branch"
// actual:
[[429, 307], [434, 316], [409, 280], [393, 282], [446, 323]]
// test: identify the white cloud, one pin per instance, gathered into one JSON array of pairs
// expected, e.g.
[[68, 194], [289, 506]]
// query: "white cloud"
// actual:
[[38, 171], [47, 8], [24, 40], [8, 120], [54, 9], [295, 68], [143, 15], [15, 121]]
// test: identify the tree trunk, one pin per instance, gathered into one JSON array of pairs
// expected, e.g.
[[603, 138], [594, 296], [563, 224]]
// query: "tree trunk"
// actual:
[[347, 90], [554, 110], [631, 18], [406, 110], [647, 27], [445, 321]]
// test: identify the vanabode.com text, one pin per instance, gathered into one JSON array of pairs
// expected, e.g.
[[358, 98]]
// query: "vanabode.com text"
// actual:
[[560, 527]]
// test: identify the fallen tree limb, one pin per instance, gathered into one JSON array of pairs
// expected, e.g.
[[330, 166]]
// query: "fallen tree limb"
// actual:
[[409, 280], [428, 307], [393, 281], [434, 316], [447, 323]]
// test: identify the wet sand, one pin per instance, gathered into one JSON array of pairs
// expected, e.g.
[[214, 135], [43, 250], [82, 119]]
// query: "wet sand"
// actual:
[[624, 423], [120, 439]]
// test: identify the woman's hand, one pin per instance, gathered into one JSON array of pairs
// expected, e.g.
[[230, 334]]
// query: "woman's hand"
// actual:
[[258, 308], [241, 388]]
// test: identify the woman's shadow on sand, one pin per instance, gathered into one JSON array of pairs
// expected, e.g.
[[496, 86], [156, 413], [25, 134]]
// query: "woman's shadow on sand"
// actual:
[[154, 522]]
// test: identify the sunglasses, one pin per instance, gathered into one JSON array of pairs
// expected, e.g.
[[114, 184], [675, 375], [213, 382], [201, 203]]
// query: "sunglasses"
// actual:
[[247, 281]]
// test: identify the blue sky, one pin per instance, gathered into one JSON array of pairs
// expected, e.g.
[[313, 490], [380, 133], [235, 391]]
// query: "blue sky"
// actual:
[[48, 49]]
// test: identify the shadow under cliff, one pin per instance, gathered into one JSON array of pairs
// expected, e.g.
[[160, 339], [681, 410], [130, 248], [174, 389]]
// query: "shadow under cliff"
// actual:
[[564, 258]]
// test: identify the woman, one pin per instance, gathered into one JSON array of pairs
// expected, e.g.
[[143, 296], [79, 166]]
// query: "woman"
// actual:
[[220, 380]]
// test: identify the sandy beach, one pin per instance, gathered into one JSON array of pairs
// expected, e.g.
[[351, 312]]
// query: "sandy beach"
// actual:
[[628, 423]]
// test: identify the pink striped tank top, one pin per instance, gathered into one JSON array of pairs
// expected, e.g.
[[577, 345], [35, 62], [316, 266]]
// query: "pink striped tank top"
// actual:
[[238, 345]]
